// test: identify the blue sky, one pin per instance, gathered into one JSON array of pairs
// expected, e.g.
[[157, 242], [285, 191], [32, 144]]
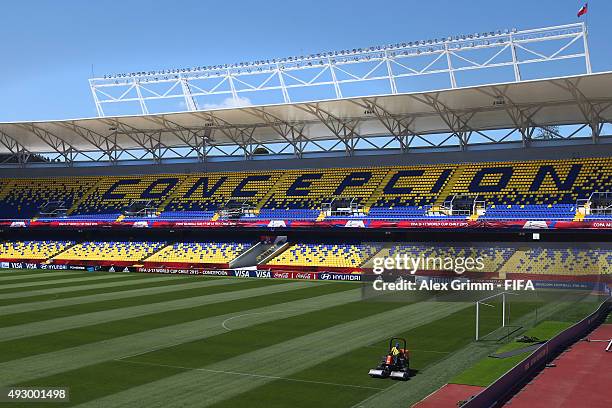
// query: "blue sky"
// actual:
[[49, 46]]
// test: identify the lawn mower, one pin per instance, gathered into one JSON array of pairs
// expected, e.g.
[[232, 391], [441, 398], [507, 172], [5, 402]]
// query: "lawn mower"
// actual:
[[396, 364]]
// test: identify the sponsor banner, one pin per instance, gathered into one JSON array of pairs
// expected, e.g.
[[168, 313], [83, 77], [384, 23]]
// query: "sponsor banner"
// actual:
[[282, 275], [277, 224], [77, 268], [67, 223], [431, 224], [54, 267], [591, 286], [255, 274], [355, 223], [243, 274], [583, 224], [276, 274], [196, 224], [178, 271], [332, 276], [30, 265], [261, 274], [14, 265], [601, 224], [240, 273], [305, 275], [535, 225], [247, 273], [113, 268]]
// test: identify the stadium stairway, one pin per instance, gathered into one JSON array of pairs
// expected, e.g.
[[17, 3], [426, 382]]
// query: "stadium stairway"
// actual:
[[269, 194], [377, 193], [155, 252], [272, 252], [250, 256], [51, 258], [80, 200], [448, 186], [174, 194], [371, 256]]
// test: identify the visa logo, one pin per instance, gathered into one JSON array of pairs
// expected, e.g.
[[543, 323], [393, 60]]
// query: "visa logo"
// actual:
[[263, 274], [242, 274]]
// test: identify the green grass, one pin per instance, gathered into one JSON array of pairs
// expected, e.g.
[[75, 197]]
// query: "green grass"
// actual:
[[54, 313], [128, 285], [255, 343], [490, 369]]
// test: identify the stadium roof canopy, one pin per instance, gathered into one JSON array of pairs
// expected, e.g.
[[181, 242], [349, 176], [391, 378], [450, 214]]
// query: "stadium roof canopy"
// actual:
[[458, 118]]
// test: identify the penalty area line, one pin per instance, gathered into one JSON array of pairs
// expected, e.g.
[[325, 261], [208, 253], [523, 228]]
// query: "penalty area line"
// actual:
[[271, 377]]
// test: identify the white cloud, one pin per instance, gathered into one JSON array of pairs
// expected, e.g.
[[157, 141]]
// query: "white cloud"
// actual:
[[228, 103]]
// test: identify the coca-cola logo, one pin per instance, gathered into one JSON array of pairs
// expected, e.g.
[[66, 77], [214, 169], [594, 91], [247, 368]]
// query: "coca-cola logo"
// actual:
[[281, 275], [303, 276]]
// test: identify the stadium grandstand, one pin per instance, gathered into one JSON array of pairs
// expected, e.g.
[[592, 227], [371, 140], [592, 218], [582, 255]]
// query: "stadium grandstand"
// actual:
[[549, 190], [515, 173]]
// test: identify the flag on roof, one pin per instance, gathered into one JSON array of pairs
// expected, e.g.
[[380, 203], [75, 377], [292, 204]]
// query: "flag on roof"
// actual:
[[583, 10]]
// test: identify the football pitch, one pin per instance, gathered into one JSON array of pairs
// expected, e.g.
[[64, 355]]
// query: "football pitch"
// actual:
[[138, 340]]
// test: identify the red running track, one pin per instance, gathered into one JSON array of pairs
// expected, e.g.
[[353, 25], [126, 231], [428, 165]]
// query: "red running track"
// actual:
[[448, 396], [582, 378]]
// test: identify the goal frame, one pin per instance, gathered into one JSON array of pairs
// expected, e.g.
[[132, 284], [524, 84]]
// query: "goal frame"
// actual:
[[505, 311]]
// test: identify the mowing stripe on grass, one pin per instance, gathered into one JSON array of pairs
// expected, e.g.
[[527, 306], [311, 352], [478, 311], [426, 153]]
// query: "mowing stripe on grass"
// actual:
[[89, 319], [43, 365], [61, 281], [21, 271], [57, 290], [219, 286], [73, 311], [51, 342], [148, 281], [79, 300], [185, 389], [36, 276], [269, 377]]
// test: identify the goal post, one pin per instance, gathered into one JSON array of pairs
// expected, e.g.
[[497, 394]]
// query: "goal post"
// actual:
[[498, 307]]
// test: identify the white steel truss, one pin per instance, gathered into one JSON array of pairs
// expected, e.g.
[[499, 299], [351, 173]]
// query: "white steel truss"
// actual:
[[548, 112], [381, 69]]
